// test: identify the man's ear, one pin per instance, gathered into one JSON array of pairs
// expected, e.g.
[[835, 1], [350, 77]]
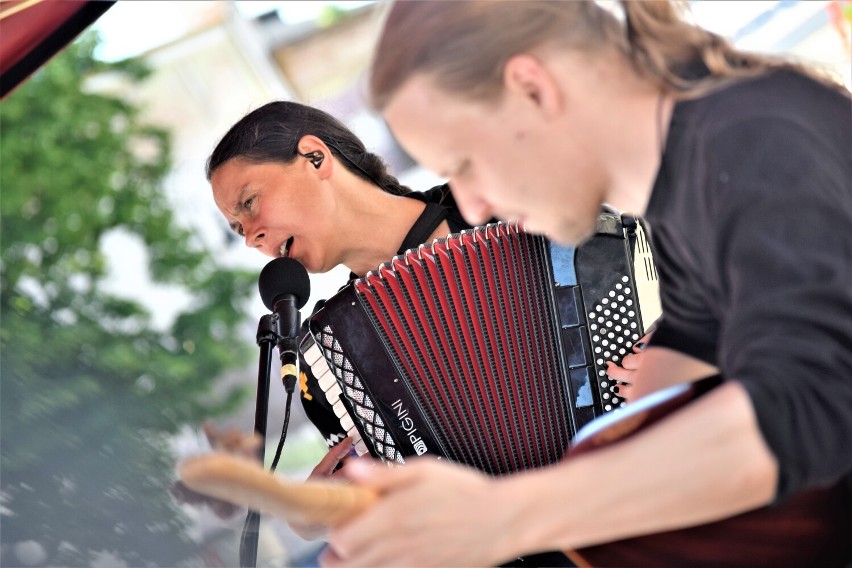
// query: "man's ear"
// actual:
[[527, 76]]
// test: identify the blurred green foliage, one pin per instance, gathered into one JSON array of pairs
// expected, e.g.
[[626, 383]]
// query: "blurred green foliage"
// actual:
[[331, 15], [91, 393]]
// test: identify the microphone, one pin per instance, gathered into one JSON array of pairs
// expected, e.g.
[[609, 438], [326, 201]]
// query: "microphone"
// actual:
[[284, 288]]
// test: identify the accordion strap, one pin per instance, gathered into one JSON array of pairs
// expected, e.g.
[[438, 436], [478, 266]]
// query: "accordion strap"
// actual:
[[424, 226]]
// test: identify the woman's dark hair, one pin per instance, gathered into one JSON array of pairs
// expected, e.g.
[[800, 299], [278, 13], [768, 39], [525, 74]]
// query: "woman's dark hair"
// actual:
[[272, 132]]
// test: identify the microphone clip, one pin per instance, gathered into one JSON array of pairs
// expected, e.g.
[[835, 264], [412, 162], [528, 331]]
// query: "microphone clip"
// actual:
[[269, 331]]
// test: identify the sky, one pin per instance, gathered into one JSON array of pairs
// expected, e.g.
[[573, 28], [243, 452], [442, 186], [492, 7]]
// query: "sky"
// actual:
[[130, 28]]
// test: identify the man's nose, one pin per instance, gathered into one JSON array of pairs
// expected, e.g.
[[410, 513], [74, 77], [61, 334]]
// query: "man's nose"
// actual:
[[476, 211]]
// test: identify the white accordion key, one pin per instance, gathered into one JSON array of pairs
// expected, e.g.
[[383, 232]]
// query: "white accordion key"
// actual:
[[333, 393], [360, 446], [339, 409], [312, 354], [319, 367], [347, 423], [328, 384]]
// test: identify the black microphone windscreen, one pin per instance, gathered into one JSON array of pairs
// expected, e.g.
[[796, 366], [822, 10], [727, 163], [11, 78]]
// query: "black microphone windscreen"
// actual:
[[283, 276]]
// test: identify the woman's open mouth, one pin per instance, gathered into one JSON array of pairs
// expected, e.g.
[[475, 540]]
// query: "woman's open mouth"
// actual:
[[285, 248]]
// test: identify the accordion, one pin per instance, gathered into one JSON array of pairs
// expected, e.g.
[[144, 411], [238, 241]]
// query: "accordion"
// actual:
[[487, 347]]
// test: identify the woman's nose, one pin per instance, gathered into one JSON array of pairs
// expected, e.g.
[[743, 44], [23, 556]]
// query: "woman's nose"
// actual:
[[254, 238]]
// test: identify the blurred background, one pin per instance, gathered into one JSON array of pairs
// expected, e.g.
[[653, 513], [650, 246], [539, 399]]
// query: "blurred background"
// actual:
[[129, 310]]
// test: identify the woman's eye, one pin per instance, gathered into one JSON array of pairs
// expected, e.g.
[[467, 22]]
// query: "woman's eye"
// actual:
[[248, 202]]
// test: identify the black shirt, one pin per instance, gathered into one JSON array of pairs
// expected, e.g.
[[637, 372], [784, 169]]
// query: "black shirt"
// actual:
[[751, 220]]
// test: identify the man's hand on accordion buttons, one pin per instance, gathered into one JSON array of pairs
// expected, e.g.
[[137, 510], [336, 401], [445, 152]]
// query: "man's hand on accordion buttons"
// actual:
[[625, 373], [327, 467]]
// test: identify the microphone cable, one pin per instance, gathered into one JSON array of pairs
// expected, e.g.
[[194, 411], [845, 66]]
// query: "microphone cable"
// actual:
[[290, 387]]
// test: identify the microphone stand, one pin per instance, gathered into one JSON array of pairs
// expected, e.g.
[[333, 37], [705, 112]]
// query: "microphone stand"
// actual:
[[268, 334]]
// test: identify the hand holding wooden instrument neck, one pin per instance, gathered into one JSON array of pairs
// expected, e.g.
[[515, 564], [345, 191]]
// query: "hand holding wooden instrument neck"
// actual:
[[246, 483]]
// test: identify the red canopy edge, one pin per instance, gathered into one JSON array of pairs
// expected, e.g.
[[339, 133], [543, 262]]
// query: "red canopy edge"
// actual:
[[33, 31]]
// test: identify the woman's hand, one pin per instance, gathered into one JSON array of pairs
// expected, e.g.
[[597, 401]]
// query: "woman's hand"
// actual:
[[325, 469]]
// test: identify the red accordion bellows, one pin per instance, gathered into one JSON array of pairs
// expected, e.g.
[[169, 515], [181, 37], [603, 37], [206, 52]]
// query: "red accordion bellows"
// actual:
[[477, 347]]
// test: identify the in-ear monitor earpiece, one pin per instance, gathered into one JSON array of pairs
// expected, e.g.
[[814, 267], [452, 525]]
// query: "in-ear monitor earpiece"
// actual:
[[315, 158]]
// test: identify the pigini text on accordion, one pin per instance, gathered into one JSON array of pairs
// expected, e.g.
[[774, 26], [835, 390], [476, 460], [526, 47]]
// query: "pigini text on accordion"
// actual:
[[487, 347]]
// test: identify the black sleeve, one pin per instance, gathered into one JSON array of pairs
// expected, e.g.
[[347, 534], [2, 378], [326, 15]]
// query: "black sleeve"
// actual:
[[670, 337], [783, 253]]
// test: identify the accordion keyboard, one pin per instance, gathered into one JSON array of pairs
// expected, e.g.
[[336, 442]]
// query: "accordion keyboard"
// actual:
[[328, 383]]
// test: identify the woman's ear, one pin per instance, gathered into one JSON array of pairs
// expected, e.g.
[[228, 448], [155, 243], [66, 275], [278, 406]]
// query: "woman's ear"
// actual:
[[315, 150], [316, 157], [529, 77]]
